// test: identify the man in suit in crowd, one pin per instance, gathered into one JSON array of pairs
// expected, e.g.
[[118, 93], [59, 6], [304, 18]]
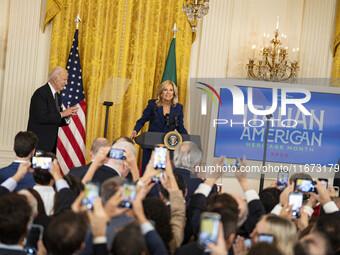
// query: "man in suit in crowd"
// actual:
[[15, 215], [24, 148], [46, 115], [96, 145], [187, 156]]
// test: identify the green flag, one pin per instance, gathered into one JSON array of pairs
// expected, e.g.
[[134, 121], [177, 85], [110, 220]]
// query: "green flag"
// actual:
[[170, 65]]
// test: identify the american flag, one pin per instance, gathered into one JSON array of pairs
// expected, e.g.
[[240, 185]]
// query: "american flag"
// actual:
[[71, 138]]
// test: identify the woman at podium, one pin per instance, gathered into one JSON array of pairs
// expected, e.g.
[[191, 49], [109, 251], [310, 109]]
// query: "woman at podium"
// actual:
[[164, 114]]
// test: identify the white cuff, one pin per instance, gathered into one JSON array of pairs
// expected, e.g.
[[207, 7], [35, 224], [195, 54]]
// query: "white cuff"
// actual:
[[309, 210], [277, 209], [146, 227], [61, 184], [99, 240], [251, 195], [9, 184], [330, 207], [203, 189]]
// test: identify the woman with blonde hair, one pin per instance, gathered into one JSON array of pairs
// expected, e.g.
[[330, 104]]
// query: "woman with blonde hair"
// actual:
[[283, 230], [164, 114]]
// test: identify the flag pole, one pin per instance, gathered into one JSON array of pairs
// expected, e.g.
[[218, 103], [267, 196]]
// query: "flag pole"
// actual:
[[77, 20], [175, 30]]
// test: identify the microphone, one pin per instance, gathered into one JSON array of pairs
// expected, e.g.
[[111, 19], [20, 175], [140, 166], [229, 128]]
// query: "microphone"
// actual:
[[167, 120], [176, 120]]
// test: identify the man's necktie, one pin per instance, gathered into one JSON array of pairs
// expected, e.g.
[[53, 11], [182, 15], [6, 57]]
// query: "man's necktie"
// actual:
[[56, 101]]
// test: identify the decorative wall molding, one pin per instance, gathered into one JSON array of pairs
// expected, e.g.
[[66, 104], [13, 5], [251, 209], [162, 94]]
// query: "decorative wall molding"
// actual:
[[27, 61]]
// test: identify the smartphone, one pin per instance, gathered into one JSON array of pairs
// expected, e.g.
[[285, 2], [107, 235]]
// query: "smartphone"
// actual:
[[324, 182], [41, 162], [35, 233], [116, 153], [235, 163], [157, 178], [266, 238], [282, 179], [209, 228], [336, 188], [303, 185], [295, 199], [128, 194], [160, 157], [91, 193]]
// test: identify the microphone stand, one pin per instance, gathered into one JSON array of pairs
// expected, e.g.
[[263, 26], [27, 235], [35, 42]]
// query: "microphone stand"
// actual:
[[265, 152], [107, 104]]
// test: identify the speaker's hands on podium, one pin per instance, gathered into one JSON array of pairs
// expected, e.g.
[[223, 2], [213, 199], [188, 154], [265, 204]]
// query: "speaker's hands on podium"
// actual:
[[70, 111]]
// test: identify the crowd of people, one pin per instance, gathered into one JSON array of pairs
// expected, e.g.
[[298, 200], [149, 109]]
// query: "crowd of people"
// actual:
[[167, 221]]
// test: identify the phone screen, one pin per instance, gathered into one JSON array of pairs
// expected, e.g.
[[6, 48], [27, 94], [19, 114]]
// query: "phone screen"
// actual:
[[336, 191], [160, 157], [266, 238], [91, 193], [295, 199], [209, 228], [41, 162], [303, 185], [282, 179], [129, 194], [34, 235], [116, 153]]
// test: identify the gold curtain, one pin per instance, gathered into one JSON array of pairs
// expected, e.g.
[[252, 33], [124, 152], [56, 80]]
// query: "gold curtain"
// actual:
[[124, 39], [336, 54]]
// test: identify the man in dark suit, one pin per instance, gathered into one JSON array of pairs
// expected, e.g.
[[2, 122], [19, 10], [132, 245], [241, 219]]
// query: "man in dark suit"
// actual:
[[96, 145], [24, 148], [15, 215], [46, 115], [187, 156], [113, 167]]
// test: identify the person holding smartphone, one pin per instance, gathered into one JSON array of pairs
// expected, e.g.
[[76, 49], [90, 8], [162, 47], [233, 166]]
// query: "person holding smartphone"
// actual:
[[164, 114]]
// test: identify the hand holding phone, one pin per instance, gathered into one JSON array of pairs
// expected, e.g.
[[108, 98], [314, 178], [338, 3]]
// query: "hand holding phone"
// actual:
[[159, 159], [128, 194], [304, 185], [295, 199], [41, 162], [91, 193], [209, 228], [282, 179], [35, 234], [324, 182], [116, 153]]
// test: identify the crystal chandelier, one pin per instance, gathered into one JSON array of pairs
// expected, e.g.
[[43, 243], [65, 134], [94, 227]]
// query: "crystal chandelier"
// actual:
[[274, 64], [195, 10]]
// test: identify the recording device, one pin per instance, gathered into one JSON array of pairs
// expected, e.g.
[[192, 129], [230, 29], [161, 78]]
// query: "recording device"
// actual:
[[282, 179], [91, 193], [41, 162], [295, 199], [35, 234], [265, 238], [303, 185], [336, 188], [116, 153], [209, 228], [128, 194], [324, 182], [160, 157]]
